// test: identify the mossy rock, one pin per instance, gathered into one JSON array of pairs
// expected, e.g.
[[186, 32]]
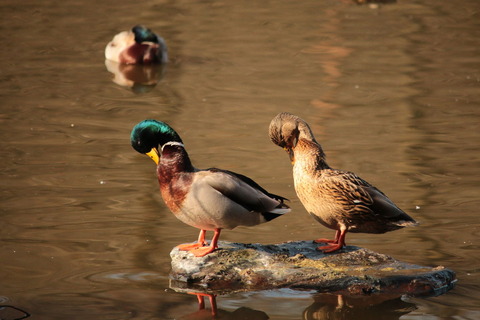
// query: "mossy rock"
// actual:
[[298, 265]]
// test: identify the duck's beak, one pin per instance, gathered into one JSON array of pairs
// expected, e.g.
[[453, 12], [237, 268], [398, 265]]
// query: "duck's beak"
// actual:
[[153, 154], [290, 155]]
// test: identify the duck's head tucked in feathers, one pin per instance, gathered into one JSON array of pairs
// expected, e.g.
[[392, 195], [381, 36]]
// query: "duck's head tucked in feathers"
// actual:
[[286, 130], [143, 34], [338, 199], [149, 136], [137, 46]]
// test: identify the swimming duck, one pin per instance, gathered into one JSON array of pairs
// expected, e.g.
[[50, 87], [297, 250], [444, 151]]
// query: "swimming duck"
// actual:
[[207, 199], [137, 46], [339, 200]]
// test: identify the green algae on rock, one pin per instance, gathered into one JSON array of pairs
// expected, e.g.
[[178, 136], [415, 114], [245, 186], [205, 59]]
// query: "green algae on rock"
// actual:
[[297, 265]]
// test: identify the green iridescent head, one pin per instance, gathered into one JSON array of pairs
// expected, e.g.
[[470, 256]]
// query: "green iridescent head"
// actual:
[[143, 34], [150, 135]]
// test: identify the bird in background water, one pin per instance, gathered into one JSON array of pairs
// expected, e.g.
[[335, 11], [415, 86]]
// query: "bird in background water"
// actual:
[[339, 200], [137, 46], [207, 199]]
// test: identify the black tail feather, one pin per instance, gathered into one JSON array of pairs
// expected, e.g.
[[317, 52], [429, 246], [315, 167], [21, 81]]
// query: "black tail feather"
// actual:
[[270, 215]]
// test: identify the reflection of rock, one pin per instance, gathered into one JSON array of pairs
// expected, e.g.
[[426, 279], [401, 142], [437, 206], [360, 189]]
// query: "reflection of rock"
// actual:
[[298, 265], [139, 77], [203, 313], [332, 307]]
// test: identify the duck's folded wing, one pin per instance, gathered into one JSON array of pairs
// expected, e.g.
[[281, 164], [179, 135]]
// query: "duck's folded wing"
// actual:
[[251, 183], [361, 198], [385, 207], [348, 191], [243, 191]]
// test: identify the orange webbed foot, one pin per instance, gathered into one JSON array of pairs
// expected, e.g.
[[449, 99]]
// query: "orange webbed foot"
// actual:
[[190, 246], [202, 251], [335, 241], [331, 247]]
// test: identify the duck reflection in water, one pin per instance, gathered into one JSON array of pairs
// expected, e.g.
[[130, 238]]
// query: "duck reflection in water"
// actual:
[[140, 78], [326, 306], [215, 313], [336, 306]]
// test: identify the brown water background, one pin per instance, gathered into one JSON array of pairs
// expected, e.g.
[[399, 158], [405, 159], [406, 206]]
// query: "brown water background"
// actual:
[[392, 93]]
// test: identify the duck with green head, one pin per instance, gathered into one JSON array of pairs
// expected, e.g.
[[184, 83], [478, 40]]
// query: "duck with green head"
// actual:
[[137, 46], [207, 199], [338, 199]]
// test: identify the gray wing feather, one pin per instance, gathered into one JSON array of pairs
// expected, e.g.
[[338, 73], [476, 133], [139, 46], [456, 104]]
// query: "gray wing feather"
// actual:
[[240, 192]]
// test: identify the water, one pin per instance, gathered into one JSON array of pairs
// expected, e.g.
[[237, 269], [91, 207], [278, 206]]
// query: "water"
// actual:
[[392, 93]]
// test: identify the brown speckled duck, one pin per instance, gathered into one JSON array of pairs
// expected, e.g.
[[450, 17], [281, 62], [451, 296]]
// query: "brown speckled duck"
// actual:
[[207, 199], [339, 200]]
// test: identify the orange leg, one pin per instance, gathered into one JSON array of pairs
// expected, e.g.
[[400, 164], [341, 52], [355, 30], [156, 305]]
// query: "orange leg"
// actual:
[[190, 246], [337, 235], [334, 246], [201, 301], [203, 251]]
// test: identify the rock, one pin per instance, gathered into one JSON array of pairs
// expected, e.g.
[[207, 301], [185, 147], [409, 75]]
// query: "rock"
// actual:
[[297, 265]]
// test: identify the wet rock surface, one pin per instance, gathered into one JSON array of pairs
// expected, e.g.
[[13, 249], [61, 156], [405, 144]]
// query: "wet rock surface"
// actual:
[[298, 265]]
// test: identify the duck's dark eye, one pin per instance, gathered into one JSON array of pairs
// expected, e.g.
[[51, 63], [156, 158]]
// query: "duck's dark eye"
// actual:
[[140, 147]]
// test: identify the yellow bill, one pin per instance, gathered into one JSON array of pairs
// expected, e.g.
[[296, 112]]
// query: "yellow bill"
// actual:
[[153, 154]]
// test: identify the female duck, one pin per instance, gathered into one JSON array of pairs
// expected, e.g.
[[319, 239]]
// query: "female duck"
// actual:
[[207, 199], [138, 46], [337, 199]]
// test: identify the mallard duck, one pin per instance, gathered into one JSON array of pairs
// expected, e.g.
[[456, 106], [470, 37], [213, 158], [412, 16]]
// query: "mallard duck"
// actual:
[[207, 199], [137, 46], [339, 200]]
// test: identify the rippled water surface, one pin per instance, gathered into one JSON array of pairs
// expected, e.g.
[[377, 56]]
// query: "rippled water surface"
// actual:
[[391, 91]]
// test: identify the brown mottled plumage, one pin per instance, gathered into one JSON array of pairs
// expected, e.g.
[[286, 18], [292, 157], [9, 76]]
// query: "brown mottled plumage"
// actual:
[[339, 200]]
